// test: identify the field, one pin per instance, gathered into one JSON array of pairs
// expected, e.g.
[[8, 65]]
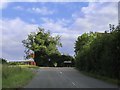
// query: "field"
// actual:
[[14, 76]]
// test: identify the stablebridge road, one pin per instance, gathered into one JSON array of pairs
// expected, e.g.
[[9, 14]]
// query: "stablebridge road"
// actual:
[[65, 77]]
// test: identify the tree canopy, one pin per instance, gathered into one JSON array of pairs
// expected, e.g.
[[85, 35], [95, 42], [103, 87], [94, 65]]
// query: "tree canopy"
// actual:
[[42, 44], [99, 53]]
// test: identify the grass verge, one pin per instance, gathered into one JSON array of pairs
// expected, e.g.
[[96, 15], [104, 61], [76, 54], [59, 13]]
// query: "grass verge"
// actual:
[[29, 66], [15, 76]]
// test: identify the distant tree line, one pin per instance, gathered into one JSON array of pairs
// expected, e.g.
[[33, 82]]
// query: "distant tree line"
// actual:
[[99, 53], [3, 61], [59, 59]]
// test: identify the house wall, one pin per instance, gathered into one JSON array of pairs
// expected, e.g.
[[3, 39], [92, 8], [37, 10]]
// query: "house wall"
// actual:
[[32, 63]]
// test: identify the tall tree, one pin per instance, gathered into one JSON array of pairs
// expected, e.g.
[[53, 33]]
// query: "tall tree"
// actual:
[[42, 44]]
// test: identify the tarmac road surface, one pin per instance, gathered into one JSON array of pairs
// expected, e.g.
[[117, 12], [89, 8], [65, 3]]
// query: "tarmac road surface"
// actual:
[[65, 77]]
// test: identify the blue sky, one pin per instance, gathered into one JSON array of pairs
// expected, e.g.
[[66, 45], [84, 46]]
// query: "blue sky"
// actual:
[[67, 19], [29, 11]]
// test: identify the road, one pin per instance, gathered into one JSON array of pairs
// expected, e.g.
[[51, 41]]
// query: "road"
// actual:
[[65, 77]]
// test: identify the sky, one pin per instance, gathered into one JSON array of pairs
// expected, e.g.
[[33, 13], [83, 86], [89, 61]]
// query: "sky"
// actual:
[[67, 19]]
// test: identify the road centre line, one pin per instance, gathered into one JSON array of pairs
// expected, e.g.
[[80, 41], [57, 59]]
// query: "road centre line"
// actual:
[[74, 84], [60, 72]]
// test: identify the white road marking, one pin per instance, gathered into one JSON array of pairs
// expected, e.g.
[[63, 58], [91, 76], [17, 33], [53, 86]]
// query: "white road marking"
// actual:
[[60, 72], [73, 83]]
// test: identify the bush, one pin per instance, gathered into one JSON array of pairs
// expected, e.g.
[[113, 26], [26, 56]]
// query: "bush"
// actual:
[[99, 53], [3, 61]]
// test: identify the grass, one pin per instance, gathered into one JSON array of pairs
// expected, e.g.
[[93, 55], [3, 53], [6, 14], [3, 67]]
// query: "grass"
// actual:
[[104, 78], [29, 66], [15, 77]]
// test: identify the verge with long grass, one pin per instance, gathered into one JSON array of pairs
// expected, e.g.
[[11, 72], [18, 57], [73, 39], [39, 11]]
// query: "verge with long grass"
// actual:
[[15, 76]]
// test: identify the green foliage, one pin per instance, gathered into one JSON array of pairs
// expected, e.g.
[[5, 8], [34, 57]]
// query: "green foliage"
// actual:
[[63, 58], [16, 63], [3, 61], [15, 76], [43, 45], [29, 66], [99, 53]]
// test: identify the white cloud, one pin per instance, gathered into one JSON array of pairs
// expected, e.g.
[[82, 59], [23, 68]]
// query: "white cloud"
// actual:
[[97, 17], [42, 10], [53, 26], [18, 8], [3, 4], [13, 32]]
